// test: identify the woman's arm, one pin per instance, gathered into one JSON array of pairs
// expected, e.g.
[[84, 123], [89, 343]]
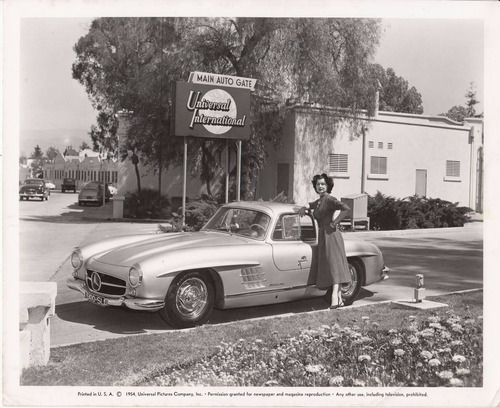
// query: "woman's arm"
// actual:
[[308, 206], [340, 217], [344, 212]]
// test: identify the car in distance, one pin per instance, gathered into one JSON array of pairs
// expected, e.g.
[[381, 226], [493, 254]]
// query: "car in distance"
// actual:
[[248, 254], [68, 184], [92, 193], [50, 185], [34, 188]]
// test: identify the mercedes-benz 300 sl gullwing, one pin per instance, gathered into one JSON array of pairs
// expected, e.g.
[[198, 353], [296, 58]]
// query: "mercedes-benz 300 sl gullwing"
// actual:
[[248, 254]]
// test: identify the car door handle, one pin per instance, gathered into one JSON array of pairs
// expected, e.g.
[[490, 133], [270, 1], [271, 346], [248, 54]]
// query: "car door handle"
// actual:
[[303, 259]]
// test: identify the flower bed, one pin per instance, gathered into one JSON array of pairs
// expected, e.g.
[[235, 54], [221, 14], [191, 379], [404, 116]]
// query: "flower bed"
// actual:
[[443, 350]]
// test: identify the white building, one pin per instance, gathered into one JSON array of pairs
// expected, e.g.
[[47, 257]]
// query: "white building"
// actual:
[[398, 154], [85, 167]]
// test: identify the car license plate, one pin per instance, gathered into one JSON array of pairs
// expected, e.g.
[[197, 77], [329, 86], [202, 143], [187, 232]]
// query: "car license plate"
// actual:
[[98, 300]]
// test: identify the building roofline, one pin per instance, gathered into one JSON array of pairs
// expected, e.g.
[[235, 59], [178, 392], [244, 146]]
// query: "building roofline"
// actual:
[[386, 116]]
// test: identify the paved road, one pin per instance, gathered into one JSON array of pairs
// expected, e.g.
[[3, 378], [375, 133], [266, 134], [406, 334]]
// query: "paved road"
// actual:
[[450, 260]]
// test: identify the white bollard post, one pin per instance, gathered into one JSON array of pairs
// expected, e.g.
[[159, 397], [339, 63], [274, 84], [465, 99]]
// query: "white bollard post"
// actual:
[[419, 292]]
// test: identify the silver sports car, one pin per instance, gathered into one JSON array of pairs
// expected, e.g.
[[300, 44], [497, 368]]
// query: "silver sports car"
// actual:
[[248, 254]]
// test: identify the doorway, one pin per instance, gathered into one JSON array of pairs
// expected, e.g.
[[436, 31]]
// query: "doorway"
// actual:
[[283, 176], [421, 183]]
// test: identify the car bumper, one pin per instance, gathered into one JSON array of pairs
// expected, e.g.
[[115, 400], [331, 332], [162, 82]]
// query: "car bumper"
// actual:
[[35, 195], [90, 200], [151, 305]]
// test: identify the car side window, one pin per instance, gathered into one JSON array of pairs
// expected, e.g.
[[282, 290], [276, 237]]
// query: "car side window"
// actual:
[[307, 229], [292, 227], [287, 228]]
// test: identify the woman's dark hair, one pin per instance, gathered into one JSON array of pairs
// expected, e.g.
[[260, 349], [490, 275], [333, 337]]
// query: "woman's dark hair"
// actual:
[[328, 180]]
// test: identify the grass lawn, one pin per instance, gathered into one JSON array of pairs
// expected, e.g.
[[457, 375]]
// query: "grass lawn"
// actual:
[[376, 345]]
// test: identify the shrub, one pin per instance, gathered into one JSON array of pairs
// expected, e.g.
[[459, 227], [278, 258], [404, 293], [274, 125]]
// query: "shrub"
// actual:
[[388, 213], [146, 204], [198, 212], [384, 212]]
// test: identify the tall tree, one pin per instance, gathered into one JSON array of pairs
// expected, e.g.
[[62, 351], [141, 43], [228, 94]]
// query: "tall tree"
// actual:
[[471, 101], [52, 153], [395, 93], [130, 63], [84, 146], [458, 113], [37, 163]]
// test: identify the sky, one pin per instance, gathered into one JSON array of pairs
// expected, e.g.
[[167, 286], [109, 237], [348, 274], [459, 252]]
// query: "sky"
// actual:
[[439, 57]]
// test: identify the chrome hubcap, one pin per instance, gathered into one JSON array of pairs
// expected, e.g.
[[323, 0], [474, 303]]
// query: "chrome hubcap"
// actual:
[[192, 297], [348, 288]]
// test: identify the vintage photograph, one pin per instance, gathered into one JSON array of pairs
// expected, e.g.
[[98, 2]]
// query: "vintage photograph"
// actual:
[[225, 208]]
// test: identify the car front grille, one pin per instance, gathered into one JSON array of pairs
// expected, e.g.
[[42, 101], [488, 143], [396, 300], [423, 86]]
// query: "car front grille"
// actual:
[[105, 284]]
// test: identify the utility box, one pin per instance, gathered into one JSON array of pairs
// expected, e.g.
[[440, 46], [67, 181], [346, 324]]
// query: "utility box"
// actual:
[[358, 203]]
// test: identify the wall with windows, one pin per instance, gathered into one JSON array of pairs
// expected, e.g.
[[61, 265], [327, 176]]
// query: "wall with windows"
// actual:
[[428, 159], [404, 155]]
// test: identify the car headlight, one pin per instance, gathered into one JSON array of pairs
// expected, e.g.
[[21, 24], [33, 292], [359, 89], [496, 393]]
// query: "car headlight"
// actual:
[[76, 259], [135, 276]]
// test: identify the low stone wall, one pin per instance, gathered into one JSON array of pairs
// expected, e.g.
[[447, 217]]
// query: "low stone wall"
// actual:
[[37, 304]]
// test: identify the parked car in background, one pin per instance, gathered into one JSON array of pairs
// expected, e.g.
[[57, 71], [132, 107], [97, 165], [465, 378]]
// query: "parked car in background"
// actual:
[[248, 254], [93, 192], [112, 189], [50, 185], [68, 184], [34, 188]]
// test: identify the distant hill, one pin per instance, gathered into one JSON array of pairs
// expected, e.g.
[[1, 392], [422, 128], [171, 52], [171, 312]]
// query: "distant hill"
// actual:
[[58, 138]]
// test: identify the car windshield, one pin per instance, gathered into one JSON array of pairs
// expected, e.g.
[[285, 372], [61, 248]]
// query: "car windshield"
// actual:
[[240, 221], [91, 187], [34, 181]]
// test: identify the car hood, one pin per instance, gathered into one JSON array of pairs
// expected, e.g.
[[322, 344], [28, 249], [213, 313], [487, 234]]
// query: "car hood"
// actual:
[[168, 244], [31, 186]]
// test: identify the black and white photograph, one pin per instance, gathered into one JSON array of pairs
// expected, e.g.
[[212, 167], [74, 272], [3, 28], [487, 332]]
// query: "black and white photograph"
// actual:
[[244, 204]]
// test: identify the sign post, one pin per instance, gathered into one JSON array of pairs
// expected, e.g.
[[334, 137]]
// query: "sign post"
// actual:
[[238, 173], [217, 107], [184, 183], [227, 171]]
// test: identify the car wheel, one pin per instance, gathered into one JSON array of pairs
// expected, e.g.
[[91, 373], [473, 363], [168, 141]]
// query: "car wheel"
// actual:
[[190, 300], [350, 291]]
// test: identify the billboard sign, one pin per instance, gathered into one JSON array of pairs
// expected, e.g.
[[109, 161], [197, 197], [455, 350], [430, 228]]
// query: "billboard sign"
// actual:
[[212, 111]]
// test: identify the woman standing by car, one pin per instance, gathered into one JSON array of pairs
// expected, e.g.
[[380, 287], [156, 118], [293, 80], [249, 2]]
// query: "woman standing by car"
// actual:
[[330, 264]]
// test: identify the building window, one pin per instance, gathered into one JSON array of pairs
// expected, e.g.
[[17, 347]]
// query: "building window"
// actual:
[[370, 144], [378, 165], [389, 146], [380, 145], [452, 168], [338, 163]]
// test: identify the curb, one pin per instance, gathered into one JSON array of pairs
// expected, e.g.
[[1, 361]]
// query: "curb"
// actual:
[[476, 226], [131, 220]]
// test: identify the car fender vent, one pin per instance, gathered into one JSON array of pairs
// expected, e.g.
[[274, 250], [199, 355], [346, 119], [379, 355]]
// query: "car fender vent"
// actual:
[[253, 278]]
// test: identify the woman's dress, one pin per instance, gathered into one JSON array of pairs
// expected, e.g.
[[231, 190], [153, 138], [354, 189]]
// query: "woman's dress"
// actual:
[[330, 262]]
